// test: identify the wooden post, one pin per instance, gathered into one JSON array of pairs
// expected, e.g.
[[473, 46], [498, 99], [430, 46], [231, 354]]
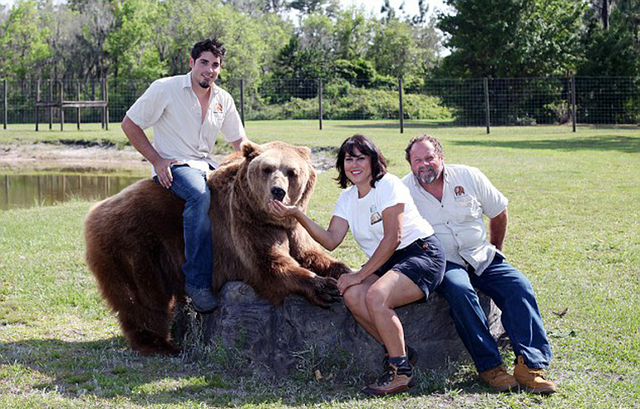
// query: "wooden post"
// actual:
[[242, 100], [105, 97], [6, 101], [487, 112], [50, 107], [61, 96], [320, 102], [37, 100], [574, 113], [401, 106], [78, 99]]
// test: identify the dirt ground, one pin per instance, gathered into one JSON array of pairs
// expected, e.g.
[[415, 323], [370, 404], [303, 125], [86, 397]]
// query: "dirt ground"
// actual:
[[44, 157], [62, 158]]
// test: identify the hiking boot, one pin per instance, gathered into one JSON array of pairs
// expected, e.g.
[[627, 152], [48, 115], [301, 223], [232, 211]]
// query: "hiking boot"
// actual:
[[393, 380], [412, 356], [499, 379], [202, 299], [532, 380]]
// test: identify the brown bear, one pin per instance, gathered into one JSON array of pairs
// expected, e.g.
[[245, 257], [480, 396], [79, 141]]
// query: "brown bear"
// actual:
[[134, 242]]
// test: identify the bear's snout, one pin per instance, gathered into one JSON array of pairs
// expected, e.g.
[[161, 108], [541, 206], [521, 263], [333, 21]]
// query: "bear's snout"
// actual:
[[278, 193]]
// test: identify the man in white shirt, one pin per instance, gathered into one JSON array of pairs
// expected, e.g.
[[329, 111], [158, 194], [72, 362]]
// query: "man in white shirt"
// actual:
[[453, 199], [187, 112]]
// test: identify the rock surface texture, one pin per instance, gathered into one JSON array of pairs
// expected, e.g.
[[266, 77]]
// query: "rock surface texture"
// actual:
[[279, 339]]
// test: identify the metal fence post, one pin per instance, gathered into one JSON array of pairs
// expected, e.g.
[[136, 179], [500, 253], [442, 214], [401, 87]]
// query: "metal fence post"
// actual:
[[242, 100], [573, 102], [487, 113], [401, 105], [320, 102]]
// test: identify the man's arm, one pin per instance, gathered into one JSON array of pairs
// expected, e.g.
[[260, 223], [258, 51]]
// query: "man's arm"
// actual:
[[498, 229], [236, 144], [139, 140]]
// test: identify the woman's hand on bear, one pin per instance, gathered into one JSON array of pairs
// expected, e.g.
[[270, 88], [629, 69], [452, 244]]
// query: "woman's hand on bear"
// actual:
[[281, 210]]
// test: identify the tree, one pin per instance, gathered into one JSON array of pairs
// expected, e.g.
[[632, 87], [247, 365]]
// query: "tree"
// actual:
[[23, 43], [508, 38]]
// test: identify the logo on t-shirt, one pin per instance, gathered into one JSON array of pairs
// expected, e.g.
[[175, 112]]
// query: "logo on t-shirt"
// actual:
[[458, 190], [217, 108], [375, 215]]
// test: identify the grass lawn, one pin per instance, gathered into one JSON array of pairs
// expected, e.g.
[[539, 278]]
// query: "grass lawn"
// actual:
[[574, 230]]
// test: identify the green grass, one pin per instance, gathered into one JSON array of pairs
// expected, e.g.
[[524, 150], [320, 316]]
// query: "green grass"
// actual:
[[574, 231]]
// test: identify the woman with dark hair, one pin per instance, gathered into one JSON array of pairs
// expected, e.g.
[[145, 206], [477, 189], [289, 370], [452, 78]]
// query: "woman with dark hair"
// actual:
[[406, 260]]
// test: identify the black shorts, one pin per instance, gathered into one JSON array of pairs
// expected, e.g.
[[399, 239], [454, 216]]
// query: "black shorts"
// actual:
[[422, 261]]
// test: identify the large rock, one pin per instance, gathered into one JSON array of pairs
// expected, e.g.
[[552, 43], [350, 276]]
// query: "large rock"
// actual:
[[278, 338]]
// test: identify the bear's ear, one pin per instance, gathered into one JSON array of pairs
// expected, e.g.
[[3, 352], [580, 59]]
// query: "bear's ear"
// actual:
[[304, 151], [250, 150]]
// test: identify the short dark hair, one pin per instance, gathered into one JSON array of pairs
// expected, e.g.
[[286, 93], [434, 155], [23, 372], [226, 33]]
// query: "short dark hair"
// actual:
[[210, 44], [366, 147], [427, 138]]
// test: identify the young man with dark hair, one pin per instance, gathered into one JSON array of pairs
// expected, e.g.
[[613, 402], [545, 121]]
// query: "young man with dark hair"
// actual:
[[187, 112]]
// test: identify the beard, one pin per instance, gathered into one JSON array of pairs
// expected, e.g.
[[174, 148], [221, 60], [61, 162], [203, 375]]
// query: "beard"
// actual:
[[205, 83], [427, 175]]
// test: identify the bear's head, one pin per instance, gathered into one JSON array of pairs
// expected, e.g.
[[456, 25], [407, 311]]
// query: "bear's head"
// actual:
[[279, 171]]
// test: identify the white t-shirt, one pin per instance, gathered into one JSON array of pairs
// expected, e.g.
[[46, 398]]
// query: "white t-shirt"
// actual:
[[171, 106], [457, 219], [364, 215]]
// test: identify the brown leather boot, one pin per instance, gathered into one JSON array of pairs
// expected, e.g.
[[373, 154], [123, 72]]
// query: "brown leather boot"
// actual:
[[499, 379], [393, 380], [532, 380]]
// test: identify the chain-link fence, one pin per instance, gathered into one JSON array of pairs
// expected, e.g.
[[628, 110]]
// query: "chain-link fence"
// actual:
[[448, 102]]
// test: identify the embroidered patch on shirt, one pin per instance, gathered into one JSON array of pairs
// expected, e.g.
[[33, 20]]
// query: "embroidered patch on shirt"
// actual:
[[458, 190], [375, 215], [217, 108]]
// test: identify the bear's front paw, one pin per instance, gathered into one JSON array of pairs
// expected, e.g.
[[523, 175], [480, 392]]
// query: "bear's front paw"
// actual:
[[325, 291], [337, 269]]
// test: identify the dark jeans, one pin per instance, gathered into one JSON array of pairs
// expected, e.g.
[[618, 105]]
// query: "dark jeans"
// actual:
[[513, 294]]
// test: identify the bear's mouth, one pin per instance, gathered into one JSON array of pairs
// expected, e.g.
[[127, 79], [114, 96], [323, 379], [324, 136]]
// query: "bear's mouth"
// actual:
[[278, 193]]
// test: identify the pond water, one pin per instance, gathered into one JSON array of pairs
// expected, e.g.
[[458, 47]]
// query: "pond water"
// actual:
[[19, 191]]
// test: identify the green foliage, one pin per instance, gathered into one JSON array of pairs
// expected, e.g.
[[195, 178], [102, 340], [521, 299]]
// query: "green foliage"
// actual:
[[344, 101], [511, 38], [23, 42]]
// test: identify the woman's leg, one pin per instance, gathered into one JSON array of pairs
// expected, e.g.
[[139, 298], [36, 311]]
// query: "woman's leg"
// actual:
[[355, 300], [391, 291]]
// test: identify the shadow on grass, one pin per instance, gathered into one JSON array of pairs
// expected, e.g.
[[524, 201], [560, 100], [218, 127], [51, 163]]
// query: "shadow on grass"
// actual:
[[619, 143], [396, 125], [108, 370]]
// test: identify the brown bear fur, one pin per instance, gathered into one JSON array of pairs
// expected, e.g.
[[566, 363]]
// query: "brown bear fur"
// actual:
[[134, 242]]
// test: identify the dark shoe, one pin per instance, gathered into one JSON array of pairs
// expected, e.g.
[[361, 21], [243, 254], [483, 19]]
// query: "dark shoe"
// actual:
[[531, 379], [499, 379], [393, 380], [202, 299]]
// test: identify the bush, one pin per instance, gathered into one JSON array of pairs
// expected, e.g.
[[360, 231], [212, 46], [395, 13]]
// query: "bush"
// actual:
[[350, 102]]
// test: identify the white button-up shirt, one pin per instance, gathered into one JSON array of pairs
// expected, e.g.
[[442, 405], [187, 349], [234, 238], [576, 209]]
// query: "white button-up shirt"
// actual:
[[457, 219], [171, 106]]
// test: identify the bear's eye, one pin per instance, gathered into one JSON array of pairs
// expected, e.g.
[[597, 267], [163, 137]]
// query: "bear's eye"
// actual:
[[267, 170], [291, 173]]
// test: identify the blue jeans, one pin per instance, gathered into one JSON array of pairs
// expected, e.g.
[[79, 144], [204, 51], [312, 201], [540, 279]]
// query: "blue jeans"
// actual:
[[190, 185], [513, 294]]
